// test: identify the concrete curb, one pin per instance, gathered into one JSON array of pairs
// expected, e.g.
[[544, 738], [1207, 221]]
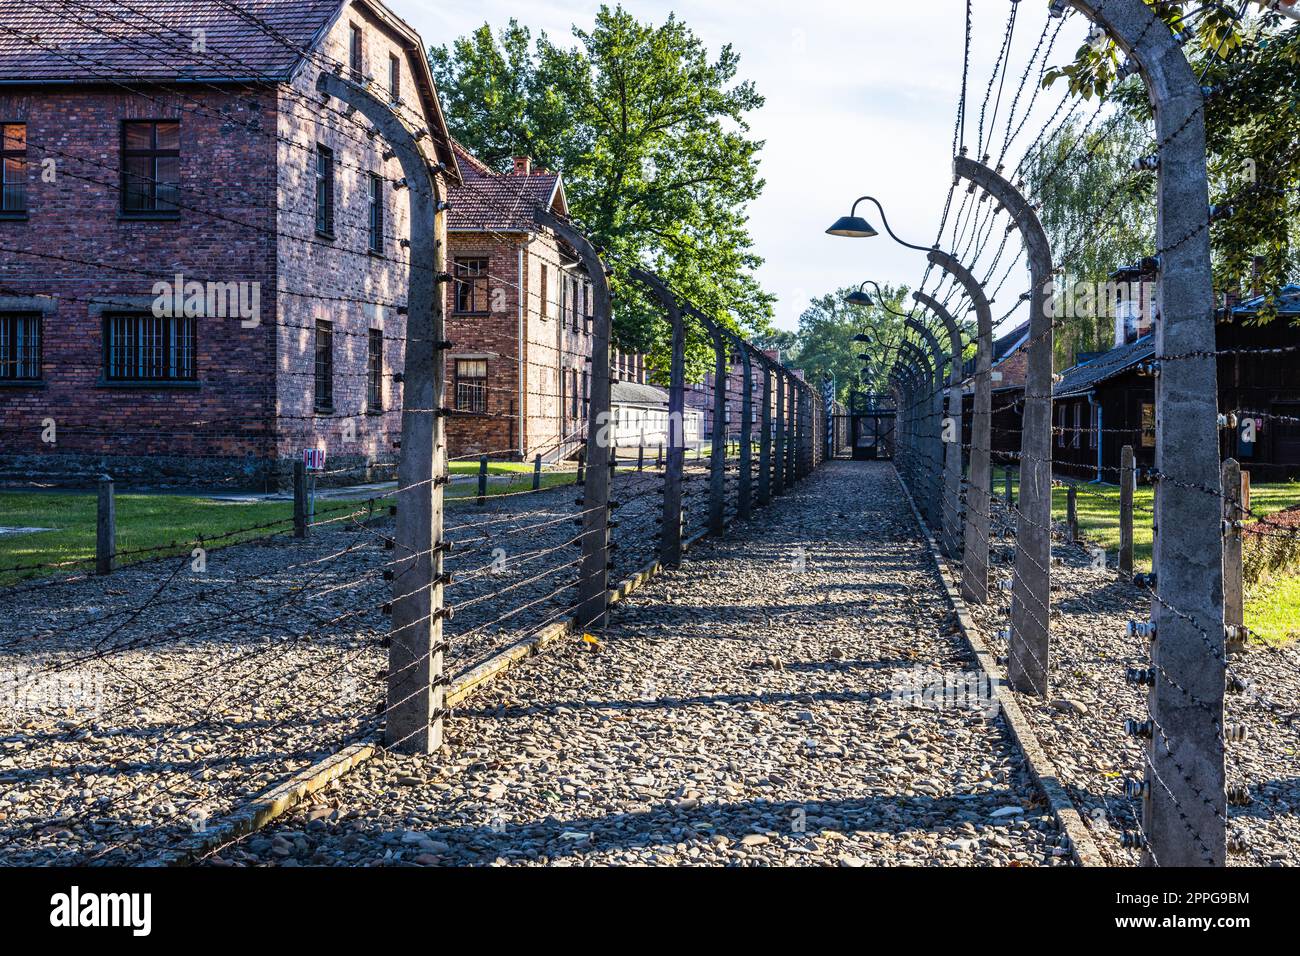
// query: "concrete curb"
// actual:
[[1082, 848], [310, 780]]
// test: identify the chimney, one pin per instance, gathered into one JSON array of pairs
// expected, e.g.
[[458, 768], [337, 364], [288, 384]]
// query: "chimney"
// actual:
[[523, 166]]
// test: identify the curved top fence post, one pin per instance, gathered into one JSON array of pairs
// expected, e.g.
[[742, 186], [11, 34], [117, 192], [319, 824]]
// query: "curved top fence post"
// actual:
[[1185, 805], [593, 578]]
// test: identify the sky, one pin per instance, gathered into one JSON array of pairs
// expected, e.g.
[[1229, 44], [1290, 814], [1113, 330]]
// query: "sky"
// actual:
[[861, 99]]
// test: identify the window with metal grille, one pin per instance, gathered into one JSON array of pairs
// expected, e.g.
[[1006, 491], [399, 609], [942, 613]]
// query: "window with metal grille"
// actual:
[[324, 191], [375, 372], [471, 277], [355, 65], [471, 386], [20, 347], [13, 169], [140, 347], [324, 366], [376, 213], [151, 167]]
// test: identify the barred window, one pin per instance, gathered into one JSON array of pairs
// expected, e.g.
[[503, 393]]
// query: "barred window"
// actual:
[[324, 366], [375, 370], [149, 348], [324, 191], [471, 277], [13, 169], [151, 167], [471, 385], [20, 347], [376, 213]]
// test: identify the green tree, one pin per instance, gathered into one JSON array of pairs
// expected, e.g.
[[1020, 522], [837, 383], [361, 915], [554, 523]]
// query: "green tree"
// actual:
[[824, 342], [1252, 66], [651, 135]]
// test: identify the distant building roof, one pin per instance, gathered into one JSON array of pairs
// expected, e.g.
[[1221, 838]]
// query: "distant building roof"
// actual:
[[634, 393], [488, 200], [1083, 378], [1288, 303]]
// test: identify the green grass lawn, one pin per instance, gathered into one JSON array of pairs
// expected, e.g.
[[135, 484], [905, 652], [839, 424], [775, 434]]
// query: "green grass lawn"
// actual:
[[1272, 610], [176, 522]]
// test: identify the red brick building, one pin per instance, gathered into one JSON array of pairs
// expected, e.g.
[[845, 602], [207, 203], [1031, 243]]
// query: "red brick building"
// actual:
[[202, 269]]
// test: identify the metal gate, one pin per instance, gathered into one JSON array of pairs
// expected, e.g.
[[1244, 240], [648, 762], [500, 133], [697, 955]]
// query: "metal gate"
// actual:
[[866, 431]]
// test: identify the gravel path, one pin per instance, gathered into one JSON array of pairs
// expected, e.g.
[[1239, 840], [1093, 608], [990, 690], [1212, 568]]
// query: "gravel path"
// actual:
[[751, 708], [136, 707], [1081, 723]]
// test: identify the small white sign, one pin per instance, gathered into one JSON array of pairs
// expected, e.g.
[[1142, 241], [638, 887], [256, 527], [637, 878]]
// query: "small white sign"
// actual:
[[313, 459]]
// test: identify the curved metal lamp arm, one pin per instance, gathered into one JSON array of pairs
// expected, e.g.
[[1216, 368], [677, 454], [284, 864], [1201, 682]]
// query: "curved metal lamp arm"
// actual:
[[885, 221]]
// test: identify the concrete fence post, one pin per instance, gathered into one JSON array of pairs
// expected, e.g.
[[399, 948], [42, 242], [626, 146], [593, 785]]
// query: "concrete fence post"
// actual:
[[593, 580], [778, 461], [482, 480], [950, 429], [537, 473], [416, 685], [744, 489], [106, 527], [765, 436], [670, 537], [975, 555], [1184, 797], [1028, 659], [1127, 485]]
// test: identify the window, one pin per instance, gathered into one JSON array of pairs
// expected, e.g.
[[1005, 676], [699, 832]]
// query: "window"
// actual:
[[573, 410], [471, 386], [1078, 423], [151, 167], [13, 169], [324, 366], [324, 191], [471, 277], [586, 393], [20, 347], [545, 306], [147, 348], [1060, 426], [375, 372], [354, 54], [1148, 425], [394, 77], [376, 214], [1094, 422]]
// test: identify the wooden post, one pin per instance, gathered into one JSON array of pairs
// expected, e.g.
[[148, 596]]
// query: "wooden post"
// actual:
[[1072, 512], [482, 480], [1234, 606], [415, 708], [299, 499], [537, 473], [106, 528], [1127, 484]]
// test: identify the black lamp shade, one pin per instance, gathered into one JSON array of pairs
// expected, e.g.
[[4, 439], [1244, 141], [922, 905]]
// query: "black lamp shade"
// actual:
[[852, 227], [858, 297]]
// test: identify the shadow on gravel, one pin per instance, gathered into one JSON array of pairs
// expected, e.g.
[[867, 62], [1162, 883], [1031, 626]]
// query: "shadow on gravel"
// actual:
[[672, 703], [670, 823]]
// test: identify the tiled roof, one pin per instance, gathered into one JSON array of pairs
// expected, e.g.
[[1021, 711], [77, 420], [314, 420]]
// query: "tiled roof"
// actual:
[[1082, 378], [107, 40], [504, 201]]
